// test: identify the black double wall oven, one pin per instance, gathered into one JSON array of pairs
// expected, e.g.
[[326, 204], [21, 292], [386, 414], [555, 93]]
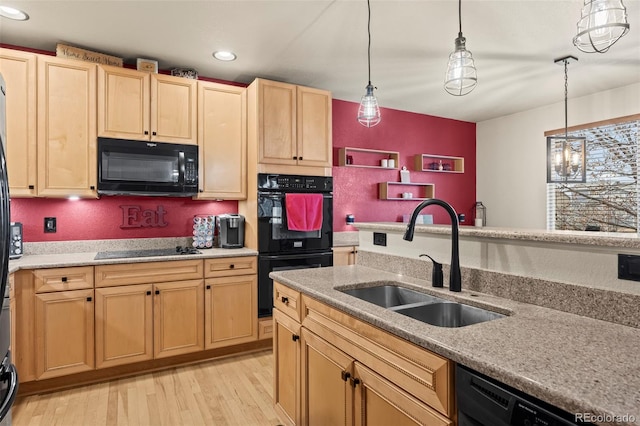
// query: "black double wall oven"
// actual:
[[282, 248]]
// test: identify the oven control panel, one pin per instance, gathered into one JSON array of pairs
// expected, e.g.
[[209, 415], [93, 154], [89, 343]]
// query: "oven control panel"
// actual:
[[295, 183]]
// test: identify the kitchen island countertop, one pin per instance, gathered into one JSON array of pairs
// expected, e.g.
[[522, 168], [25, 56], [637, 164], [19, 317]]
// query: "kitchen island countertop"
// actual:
[[578, 364]]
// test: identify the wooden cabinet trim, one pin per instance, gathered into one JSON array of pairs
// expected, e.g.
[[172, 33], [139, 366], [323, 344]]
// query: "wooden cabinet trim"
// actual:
[[147, 272], [265, 328], [63, 279]]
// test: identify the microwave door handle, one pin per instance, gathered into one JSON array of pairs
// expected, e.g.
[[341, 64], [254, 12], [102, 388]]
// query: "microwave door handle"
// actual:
[[181, 168]]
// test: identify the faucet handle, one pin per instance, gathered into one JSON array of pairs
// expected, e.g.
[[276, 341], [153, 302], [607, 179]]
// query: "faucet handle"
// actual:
[[436, 273]]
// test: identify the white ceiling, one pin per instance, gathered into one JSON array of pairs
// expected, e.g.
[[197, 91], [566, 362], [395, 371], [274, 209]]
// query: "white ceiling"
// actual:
[[323, 43]]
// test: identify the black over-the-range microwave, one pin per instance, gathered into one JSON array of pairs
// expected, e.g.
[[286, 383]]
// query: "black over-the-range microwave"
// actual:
[[128, 167]]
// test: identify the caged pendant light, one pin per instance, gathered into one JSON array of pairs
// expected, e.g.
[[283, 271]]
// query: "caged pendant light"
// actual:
[[565, 154], [461, 77], [601, 24], [369, 112]]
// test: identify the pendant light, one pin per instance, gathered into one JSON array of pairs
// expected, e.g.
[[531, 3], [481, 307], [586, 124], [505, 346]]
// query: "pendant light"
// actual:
[[369, 112], [566, 155], [461, 75], [601, 24]]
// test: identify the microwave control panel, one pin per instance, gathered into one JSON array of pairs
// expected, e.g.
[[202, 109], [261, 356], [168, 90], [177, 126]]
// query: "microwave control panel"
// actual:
[[190, 171]]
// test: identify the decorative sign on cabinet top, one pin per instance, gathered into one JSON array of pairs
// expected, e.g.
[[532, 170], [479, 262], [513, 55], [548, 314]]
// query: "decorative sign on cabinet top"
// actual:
[[70, 52]]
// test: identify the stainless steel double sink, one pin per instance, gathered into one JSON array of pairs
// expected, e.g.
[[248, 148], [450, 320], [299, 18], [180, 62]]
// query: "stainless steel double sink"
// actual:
[[422, 307]]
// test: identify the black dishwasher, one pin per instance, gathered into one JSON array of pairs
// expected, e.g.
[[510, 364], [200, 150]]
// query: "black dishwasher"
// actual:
[[483, 401]]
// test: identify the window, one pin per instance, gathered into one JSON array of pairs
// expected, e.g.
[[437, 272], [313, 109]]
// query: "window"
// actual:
[[608, 200]]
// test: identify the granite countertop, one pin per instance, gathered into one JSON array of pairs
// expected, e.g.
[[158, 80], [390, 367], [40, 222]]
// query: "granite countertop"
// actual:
[[576, 363], [57, 260], [602, 239]]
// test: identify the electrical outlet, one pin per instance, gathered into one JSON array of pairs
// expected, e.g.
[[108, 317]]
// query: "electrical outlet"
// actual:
[[379, 239], [628, 267], [49, 224]]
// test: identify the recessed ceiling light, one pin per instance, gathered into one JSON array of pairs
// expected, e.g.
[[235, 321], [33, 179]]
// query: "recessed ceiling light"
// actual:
[[223, 55], [11, 13]]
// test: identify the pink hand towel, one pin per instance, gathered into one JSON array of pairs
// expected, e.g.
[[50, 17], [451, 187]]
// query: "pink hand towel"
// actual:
[[304, 212]]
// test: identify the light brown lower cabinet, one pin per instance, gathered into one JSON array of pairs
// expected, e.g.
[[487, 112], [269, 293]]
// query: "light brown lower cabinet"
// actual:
[[352, 373], [178, 314], [286, 355], [64, 333], [124, 324], [345, 255]]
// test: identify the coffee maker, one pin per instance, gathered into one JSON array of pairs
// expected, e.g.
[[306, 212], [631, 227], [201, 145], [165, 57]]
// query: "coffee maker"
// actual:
[[230, 230]]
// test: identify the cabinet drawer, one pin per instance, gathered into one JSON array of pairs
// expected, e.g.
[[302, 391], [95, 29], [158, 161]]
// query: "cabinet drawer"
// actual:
[[229, 266], [61, 279], [287, 301], [148, 272]]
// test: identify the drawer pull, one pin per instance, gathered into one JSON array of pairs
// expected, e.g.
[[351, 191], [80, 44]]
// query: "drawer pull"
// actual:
[[208, 287], [157, 291], [148, 292], [63, 279], [285, 300], [295, 337], [89, 299], [32, 187], [232, 266], [345, 375]]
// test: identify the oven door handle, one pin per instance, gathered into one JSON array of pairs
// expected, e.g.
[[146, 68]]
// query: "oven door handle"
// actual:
[[12, 390], [294, 256]]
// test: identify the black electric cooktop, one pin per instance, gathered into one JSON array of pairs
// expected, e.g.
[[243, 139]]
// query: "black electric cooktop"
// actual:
[[146, 253]]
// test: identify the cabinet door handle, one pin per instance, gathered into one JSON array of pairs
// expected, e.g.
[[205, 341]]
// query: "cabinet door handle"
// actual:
[[153, 133], [146, 132], [92, 188], [285, 300], [232, 266], [208, 287], [63, 279], [355, 381], [295, 337], [149, 293], [299, 158], [89, 299], [32, 187], [345, 375], [157, 291], [295, 158]]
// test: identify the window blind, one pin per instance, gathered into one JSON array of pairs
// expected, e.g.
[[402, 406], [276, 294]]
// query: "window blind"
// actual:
[[608, 200]]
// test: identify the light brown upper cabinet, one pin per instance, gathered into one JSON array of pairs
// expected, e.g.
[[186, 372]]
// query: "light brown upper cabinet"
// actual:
[[222, 138], [19, 72], [142, 106], [293, 124], [66, 128]]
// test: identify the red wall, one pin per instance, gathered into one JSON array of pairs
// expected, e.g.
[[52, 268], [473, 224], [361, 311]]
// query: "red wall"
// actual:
[[356, 189], [102, 219]]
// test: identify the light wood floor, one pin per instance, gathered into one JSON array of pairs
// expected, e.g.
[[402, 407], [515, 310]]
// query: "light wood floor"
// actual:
[[230, 391]]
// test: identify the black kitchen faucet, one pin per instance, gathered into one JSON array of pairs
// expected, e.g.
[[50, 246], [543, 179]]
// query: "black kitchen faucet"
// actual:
[[455, 282]]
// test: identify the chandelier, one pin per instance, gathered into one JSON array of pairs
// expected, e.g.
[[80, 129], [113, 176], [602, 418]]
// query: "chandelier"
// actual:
[[566, 154]]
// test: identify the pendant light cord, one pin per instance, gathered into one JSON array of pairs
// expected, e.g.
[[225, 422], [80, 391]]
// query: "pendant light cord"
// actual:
[[369, 35], [460, 18], [566, 91]]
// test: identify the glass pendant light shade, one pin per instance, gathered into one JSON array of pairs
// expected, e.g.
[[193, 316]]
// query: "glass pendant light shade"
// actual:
[[601, 24], [461, 77], [369, 112]]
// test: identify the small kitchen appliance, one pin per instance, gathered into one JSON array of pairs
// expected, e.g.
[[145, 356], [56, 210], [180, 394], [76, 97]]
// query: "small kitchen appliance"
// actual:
[[230, 230], [15, 240]]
